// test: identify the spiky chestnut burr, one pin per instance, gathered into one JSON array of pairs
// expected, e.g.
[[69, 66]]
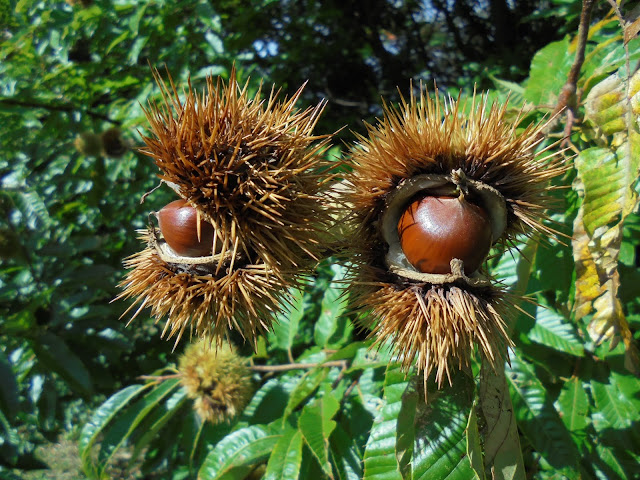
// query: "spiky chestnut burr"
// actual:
[[255, 172], [422, 151], [218, 380], [89, 144], [113, 144]]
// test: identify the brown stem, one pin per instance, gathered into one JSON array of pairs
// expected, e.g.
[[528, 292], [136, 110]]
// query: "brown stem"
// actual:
[[159, 378], [567, 98], [296, 366], [61, 107]]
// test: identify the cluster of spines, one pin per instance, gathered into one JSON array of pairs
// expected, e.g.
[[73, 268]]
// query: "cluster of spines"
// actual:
[[431, 325], [253, 168], [438, 135], [217, 379], [205, 305]]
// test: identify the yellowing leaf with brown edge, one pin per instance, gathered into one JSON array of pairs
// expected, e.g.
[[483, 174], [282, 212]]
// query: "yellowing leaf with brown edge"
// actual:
[[587, 281], [606, 179]]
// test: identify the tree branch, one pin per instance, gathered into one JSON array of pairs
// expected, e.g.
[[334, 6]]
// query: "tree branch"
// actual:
[[60, 107], [296, 366], [567, 99]]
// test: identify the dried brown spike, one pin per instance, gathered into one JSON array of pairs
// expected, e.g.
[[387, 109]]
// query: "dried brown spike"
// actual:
[[253, 169], [197, 301], [435, 321], [431, 135]]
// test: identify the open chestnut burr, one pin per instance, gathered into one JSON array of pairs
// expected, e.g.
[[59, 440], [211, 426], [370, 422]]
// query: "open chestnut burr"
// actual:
[[432, 188], [252, 205]]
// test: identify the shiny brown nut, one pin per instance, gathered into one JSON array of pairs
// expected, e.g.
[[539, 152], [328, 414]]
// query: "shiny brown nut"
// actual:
[[433, 230], [178, 224]]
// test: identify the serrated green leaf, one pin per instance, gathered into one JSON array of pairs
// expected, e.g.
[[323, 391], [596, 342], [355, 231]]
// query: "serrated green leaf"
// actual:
[[33, 209], [514, 90], [552, 330], [612, 465], [284, 463], [121, 429], [305, 387], [101, 417], [440, 450], [268, 403], [157, 420], [613, 409], [537, 418], [573, 404], [606, 57], [349, 352], [285, 328], [628, 386], [54, 354], [332, 328], [380, 453], [548, 74], [474, 447], [406, 436], [316, 424], [346, 455], [233, 457]]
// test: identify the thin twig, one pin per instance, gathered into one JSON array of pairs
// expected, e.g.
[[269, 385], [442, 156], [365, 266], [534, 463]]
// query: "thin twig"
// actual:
[[159, 377], [348, 391], [60, 107], [337, 381], [296, 366], [567, 100]]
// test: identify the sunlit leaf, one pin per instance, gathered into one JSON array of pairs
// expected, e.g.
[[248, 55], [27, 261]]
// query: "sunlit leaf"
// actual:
[[346, 456], [614, 409], [316, 425], [286, 326], [101, 417], [440, 449], [158, 419], [233, 457], [474, 446], [608, 176], [380, 454], [307, 384], [117, 433], [573, 404], [554, 331], [284, 463], [332, 326], [548, 74]]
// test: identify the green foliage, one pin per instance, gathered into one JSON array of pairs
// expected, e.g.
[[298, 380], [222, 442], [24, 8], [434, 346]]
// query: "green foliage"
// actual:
[[567, 405]]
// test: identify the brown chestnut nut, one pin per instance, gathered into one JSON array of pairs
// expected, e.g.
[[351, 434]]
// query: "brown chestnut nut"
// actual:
[[178, 224], [434, 230]]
